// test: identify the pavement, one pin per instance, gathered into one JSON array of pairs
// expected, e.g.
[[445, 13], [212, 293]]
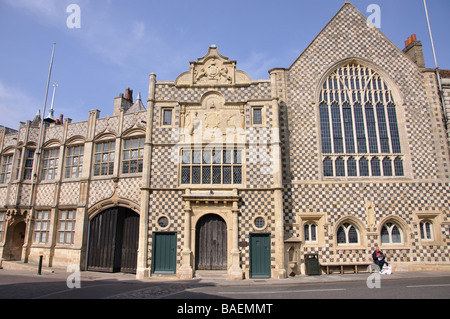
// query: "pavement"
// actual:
[[16, 273]]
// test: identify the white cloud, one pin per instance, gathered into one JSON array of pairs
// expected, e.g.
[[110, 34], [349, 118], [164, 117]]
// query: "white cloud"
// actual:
[[113, 39], [257, 65], [16, 105], [45, 11]]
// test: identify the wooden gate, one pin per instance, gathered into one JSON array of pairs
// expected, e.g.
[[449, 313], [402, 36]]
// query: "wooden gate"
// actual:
[[211, 243], [113, 241]]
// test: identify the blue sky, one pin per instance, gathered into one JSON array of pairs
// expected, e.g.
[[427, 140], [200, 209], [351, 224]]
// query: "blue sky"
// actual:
[[120, 43]]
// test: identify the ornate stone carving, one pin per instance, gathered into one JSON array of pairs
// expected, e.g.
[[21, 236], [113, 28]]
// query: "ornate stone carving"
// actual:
[[213, 70], [212, 118]]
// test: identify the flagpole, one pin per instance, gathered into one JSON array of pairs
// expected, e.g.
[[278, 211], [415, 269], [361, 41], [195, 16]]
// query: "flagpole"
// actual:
[[34, 174], [41, 129], [438, 75], [431, 34]]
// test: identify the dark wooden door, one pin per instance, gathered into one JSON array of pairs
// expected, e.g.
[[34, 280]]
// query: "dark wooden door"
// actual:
[[260, 255], [113, 241], [164, 252], [102, 241], [211, 243], [130, 242]]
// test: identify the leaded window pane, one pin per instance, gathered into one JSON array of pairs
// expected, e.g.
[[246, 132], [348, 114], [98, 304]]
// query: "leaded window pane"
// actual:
[[387, 167], [337, 128], [363, 167], [352, 235], [237, 157], [313, 232], [360, 128], [351, 167], [209, 167], [328, 167], [196, 157], [237, 175], [217, 176], [375, 165], [398, 165], [257, 116], [227, 157], [196, 173], [227, 175], [382, 129], [340, 167], [185, 175], [371, 128], [396, 235], [393, 126], [348, 128], [357, 115], [206, 174], [385, 235], [325, 128], [341, 238]]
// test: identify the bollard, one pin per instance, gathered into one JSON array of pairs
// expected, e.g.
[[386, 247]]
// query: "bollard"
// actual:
[[40, 265]]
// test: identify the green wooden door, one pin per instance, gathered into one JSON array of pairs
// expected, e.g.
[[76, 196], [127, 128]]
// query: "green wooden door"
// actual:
[[260, 255], [164, 252]]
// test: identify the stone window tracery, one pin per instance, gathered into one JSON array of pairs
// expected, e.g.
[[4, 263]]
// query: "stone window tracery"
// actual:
[[359, 128]]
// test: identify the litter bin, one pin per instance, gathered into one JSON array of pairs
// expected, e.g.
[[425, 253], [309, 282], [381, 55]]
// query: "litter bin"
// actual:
[[312, 264]]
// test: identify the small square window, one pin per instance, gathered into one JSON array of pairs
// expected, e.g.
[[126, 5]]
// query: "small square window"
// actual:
[[167, 117], [257, 116]]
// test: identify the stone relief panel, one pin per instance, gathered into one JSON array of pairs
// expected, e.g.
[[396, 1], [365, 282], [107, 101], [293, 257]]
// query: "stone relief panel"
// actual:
[[213, 120]]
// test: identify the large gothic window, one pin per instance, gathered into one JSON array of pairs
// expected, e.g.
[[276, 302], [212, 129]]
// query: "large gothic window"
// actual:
[[359, 128]]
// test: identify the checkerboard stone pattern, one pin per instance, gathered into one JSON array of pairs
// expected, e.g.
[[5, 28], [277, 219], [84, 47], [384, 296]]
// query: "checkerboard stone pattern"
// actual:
[[3, 191], [100, 190], [45, 195], [342, 200], [170, 205], [255, 204], [164, 168], [69, 194], [129, 188], [77, 129], [54, 133], [169, 92], [347, 36]]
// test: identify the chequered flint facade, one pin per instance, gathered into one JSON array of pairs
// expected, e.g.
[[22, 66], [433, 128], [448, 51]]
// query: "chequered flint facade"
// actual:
[[275, 165]]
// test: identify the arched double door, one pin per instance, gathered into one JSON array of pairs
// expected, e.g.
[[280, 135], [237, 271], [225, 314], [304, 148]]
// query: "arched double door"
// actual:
[[211, 243], [113, 241]]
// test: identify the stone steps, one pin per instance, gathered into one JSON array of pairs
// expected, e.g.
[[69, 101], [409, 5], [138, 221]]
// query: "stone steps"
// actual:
[[211, 274]]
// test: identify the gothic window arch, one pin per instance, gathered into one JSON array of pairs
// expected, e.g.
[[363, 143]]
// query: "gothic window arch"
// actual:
[[359, 127], [347, 234], [310, 232], [391, 233]]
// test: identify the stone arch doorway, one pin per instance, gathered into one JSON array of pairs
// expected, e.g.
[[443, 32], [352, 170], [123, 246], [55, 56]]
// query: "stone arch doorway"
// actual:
[[211, 243], [15, 239], [113, 241]]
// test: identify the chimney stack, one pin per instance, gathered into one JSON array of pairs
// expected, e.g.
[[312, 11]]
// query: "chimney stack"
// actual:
[[413, 49], [129, 95], [123, 102]]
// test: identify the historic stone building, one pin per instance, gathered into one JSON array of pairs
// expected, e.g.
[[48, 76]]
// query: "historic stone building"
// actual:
[[344, 150]]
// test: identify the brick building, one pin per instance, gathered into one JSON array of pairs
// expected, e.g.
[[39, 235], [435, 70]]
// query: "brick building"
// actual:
[[344, 150]]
